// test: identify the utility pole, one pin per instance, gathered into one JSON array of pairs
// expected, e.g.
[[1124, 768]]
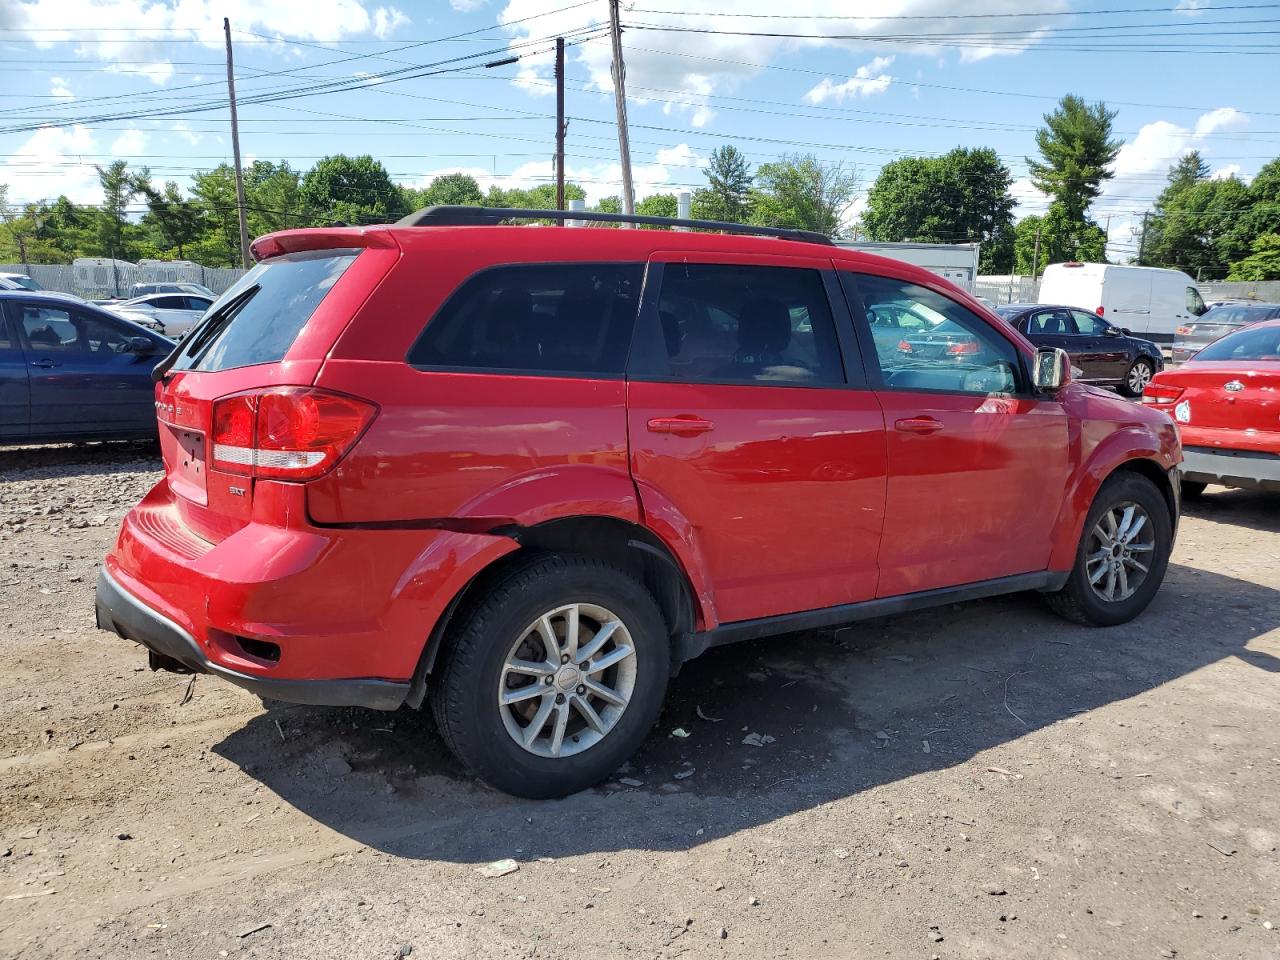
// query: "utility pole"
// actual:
[[560, 125], [235, 148], [1142, 240], [1035, 257], [620, 100]]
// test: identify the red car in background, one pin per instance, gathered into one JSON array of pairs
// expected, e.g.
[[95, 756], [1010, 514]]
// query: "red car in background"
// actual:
[[1226, 401]]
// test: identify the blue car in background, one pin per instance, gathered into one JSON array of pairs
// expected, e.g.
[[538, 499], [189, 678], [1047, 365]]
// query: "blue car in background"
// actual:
[[72, 371]]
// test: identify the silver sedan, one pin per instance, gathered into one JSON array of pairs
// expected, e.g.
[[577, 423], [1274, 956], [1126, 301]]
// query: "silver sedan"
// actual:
[[176, 313]]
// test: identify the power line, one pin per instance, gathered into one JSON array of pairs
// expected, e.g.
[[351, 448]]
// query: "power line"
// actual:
[[949, 16]]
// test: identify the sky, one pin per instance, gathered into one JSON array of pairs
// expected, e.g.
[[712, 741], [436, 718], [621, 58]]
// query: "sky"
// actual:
[[418, 86]]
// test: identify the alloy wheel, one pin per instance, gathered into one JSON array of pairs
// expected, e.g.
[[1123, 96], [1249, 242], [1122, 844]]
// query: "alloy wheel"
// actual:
[[1140, 375], [1120, 549], [567, 680]]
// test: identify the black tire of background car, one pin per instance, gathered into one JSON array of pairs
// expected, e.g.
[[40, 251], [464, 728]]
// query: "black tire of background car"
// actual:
[[1077, 600], [1192, 489], [463, 693], [1124, 388]]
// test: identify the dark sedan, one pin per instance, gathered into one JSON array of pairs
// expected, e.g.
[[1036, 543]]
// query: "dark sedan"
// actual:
[[72, 371], [1190, 338], [1106, 355]]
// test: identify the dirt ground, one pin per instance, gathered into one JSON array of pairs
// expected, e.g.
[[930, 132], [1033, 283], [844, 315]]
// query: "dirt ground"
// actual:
[[978, 781]]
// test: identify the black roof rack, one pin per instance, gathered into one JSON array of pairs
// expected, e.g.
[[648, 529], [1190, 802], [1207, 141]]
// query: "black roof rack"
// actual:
[[464, 216]]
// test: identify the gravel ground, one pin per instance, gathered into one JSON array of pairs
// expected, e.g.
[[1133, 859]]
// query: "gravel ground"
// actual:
[[978, 781]]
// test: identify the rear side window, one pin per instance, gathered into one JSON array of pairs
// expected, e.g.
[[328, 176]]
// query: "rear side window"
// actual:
[[725, 323], [269, 307], [537, 318], [1251, 343]]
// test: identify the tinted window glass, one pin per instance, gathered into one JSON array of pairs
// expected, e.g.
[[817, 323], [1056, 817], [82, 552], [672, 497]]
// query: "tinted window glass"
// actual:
[[261, 329], [1251, 343], [48, 328], [1240, 313], [170, 303], [725, 323], [1195, 304], [955, 351], [69, 332], [1052, 323], [1089, 324], [544, 318]]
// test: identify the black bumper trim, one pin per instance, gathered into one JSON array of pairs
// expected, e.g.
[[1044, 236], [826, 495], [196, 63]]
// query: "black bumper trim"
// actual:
[[125, 615]]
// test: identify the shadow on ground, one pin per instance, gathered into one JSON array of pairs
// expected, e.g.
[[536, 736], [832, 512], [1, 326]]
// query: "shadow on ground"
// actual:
[[1245, 508], [847, 710]]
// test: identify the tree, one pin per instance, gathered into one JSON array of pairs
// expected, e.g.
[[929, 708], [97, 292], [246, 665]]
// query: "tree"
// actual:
[[114, 235], [353, 190], [1196, 226], [727, 195], [658, 205], [799, 191], [272, 197], [215, 194], [449, 190], [961, 197], [1076, 152], [177, 220], [1059, 239], [1263, 263], [1263, 216]]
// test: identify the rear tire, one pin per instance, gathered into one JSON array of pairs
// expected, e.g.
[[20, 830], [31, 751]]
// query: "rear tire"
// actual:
[[1136, 378], [1193, 489], [1111, 554], [522, 699]]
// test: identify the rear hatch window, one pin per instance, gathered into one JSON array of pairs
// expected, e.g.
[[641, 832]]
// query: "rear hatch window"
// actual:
[[259, 318]]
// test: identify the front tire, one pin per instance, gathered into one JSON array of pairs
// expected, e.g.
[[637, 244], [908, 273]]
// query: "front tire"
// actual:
[[554, 677], [1123, 553], [1137, 378]]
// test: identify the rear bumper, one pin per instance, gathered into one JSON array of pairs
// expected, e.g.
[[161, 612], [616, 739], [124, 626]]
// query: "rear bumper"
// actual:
[[119, 611], [1253, 469]]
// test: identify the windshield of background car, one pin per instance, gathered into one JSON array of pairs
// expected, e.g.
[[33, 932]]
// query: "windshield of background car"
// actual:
[[1008, 314], [269, 307], [1239, 313], [1251, 343]]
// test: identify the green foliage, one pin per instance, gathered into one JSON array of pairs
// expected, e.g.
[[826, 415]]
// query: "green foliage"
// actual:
[[1060, 239], [727, 195], [1263, 263], [1196, 226], [353, 190], [452, 189], [115, 236], [176, 221], [611, 204], [658, 205], [272, 197], [961, 197], [801, 192], [1076, 151]]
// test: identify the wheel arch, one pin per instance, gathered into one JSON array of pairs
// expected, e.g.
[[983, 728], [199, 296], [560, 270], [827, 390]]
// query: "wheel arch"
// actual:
[[626, 545]]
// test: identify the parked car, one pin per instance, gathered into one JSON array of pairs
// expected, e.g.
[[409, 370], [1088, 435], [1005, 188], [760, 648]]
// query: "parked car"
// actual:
[[175, 313], [1150, 301], [72, 371], [1105, 354], [1226, 400], [1217, 323], [523, 473], [17, 281], [145, 289]]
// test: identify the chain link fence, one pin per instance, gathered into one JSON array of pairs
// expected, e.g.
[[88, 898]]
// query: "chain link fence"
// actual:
[[102, 279]]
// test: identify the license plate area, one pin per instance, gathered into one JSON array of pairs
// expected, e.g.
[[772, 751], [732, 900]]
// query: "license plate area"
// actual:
[[188, 463]]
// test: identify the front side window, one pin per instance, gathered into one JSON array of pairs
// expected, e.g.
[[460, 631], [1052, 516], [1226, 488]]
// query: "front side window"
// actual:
[[537, 318], [1195, 304], [72, 334], [728, 323], [954, 352], [1052, 323]]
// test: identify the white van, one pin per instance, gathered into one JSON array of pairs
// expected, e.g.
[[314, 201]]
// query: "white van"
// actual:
[[1149, 302]]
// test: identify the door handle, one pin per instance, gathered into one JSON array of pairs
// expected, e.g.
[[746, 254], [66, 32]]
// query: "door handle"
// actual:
[[918, 425], [682, 426], [43, 364]]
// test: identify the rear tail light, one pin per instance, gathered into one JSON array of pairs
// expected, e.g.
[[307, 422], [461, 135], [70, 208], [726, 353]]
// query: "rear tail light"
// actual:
[[904, 347], [1101, 311], [1161, 393], [963, 348], [286, 433], [1183, 331]]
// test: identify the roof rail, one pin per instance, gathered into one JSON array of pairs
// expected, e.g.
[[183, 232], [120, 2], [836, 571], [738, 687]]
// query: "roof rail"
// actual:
[[460, 216]]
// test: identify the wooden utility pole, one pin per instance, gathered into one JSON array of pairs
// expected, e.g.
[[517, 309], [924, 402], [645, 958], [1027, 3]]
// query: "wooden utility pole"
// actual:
[[560, 125], [1035, 258], [1142, 240], [235, 148], [620, 101]]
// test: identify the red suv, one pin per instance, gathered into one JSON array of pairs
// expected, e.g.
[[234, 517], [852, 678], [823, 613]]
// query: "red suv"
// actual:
[[523, 473]]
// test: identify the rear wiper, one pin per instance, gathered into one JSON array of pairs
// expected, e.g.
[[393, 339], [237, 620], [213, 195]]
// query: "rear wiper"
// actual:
[[204, 332]]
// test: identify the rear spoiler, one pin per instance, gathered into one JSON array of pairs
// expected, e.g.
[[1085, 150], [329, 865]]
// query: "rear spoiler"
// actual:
[[321, 238]]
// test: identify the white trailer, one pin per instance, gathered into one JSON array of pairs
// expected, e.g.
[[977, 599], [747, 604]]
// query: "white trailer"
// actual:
[[957, 262]]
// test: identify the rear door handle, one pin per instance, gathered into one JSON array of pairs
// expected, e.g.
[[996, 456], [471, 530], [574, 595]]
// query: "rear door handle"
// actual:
[[684, 426], [918, 425], [43, 364]]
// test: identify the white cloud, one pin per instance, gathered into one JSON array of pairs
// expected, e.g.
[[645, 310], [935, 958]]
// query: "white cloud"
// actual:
[[154, 22], [701, 65], [59, 88], [186, 133], [466, 6], [129, 144], [1191, 8], [868, 79], [1227, 172], [49, 163]]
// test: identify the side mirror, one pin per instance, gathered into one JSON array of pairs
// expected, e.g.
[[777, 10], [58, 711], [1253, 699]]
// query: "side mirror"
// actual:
[[142, 346], [1114, 332], [1052, 369]]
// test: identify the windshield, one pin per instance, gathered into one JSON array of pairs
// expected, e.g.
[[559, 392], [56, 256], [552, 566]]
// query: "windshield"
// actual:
[[1008, 312], [1251, 343], [270, 306], [1240, 313]]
